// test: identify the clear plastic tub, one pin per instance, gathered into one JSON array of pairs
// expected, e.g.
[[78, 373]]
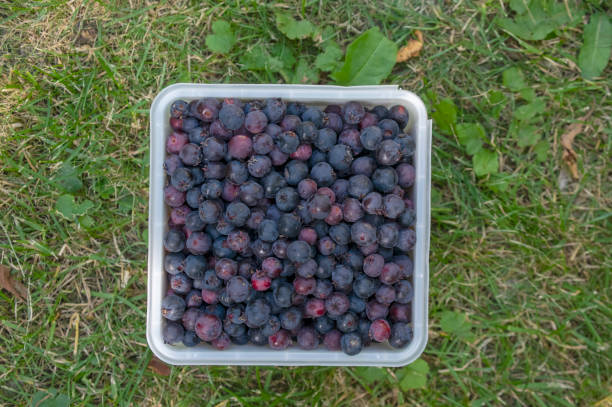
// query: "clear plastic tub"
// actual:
[[374, 355]]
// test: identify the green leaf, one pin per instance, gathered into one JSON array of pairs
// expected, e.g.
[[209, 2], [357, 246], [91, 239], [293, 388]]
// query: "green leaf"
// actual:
[[496, 101], [498, 183], [471, 136], [535, 19], [69, 209], [68, 178], [414, 376], [445, 115], [305, 73], [50, 398], [284, 54], [595, 52], [456, 323], [514, 79], [541, 150], [371, 374], [369, 59], [292, 28], [530, 110], [223, 38], [528, 94], [485, 162], [527, 135], [257, 59], [329, 59]]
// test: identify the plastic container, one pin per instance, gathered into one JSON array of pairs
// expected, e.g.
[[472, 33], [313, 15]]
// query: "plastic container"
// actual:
[[374, 355]]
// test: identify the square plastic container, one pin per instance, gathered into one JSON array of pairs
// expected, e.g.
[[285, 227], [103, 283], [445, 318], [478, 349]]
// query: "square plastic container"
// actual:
[[374, 355]]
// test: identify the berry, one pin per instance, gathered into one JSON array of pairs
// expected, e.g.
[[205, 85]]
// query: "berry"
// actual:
[[314, 115], [347, 322], [332, 340], [393, 206], [191, 154], [208, 327], [352, 210], [307, 338], [401, 335], [371, 137], [376, 310], [340, 157], [351, 137], [388, 153], [191, 339], [257, 313], [260, 281], [380, 330], [263, 143], [298, 251], [174, 241], [323, 174], [280, 340], [363, 234], [256, 121], [388, 235], [198, 243], [400, 115], [173, 307], [231, 116], [337, 304], [173, 332], [400, 313], [406, 240], [287, 142], [195, 267], [287, 199], [384, 179], [373, 265], [389, 127], [176, 141], [174, 263], [238, 288], [351, 343], [274, 109], [353, 112], [213, 149]]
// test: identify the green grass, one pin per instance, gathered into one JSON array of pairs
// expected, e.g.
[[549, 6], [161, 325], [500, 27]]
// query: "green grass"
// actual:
[[527, 266]]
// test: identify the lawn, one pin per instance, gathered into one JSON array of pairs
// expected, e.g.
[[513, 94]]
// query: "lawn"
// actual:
[[520, 275]]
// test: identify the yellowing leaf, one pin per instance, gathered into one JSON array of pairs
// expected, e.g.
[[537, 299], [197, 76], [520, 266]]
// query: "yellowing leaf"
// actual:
[[411, 49]]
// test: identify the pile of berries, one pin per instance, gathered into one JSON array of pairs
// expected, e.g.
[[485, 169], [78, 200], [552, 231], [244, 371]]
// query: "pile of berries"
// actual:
[[288, 224]]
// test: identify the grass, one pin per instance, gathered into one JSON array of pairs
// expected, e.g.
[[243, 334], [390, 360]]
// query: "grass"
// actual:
[[526, 266]]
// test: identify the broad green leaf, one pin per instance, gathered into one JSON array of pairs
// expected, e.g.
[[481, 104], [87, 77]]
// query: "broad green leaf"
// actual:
[[498, 183], [414, 376], [527, 135], [496, 102], [329, 59], [292, 28], [369, 59], [50, 398], [69, 209], [528, 94], [258, 59], [87, 221], [535, 19], [222, 39], [305, 73], [471, 136], [456, 323], [514, 79], [485, 162], [68, 178], [371, 374], [530, 110], [541, 150], [445, 115], [595, 52], [284, 54]]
